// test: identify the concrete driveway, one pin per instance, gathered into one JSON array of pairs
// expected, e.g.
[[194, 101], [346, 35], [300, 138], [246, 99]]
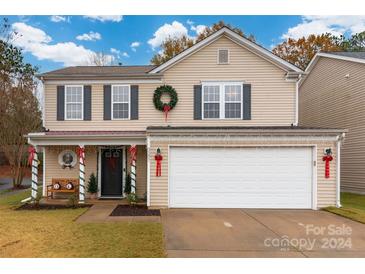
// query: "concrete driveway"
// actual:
[[261, 233]]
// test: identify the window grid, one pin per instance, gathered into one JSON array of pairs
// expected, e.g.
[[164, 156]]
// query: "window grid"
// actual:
[[211, 98], [120, 102], [227, 105], [233, 101], [74, 107]]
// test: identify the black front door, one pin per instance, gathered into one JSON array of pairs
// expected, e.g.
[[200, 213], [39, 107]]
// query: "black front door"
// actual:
[[111, 172]]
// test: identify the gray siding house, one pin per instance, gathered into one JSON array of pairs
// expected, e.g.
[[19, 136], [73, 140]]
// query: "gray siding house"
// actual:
[[332, 94]]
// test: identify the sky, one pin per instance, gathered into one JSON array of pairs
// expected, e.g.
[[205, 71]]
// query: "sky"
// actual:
[[53, 42]]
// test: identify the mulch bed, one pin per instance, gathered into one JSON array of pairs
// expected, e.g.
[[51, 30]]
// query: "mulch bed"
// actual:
[[138, 210], [48, 207]]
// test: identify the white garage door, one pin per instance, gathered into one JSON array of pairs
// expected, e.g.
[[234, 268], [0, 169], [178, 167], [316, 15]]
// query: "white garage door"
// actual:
[[262, 177]]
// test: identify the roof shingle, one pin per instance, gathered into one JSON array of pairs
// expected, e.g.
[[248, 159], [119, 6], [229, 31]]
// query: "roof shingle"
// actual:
[[352, 54]]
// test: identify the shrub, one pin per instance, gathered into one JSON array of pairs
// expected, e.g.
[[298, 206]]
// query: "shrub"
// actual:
[[132, 198], [92, 186], [73, 200]]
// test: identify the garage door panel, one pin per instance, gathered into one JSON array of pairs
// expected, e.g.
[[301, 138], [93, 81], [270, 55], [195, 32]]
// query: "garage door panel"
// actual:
[[265, 177]]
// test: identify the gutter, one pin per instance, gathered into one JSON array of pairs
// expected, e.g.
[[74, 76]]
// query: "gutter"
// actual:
[[179, 131], [45, 77], [338, 171]]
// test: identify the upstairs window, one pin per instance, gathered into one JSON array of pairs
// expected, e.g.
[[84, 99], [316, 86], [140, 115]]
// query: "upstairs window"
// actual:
[[120, 101], [223, 56], [74, 102], [222, 101], [211, 101], [232, 101]]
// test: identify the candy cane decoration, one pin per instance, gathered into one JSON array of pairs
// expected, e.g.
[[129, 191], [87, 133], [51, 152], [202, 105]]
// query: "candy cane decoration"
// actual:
[[81, 154], [33, 161], [133, 159]]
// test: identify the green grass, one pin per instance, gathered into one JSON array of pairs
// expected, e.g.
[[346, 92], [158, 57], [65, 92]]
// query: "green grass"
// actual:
[[353, 207], [53, 233]]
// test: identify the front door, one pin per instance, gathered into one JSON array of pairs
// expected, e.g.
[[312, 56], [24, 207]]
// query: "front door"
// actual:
[[111, 172]]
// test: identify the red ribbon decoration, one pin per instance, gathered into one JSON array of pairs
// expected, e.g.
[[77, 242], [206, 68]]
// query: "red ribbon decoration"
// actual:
[[327, 158], [166, 109], [81, 153], [112, 162], [158, 159], [133, 152], [31, 151]]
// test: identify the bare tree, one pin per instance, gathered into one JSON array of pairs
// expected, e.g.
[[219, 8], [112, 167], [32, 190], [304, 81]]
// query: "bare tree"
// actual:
[[101, 59], [19, 108]]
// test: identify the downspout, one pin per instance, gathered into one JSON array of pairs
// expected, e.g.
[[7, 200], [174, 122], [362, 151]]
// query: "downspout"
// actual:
[[297, 102], [338, 172]]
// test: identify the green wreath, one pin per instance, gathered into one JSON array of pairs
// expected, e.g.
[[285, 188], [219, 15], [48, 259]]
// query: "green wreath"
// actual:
[[165, 89]]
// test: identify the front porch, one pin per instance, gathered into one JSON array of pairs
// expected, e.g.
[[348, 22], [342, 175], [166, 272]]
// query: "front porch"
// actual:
[[117, 161]]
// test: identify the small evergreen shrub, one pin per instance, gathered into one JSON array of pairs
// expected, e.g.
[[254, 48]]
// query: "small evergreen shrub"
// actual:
[[92, 186], [128, 184]]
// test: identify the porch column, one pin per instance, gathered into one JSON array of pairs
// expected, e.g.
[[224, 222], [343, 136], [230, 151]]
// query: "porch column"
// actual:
[[81, 153], [33, 155], [133, 152]]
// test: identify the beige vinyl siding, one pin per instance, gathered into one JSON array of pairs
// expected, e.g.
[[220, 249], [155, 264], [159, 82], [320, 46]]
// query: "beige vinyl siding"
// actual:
[[54, 170], [326, 188], [273, 98], [329, 99]]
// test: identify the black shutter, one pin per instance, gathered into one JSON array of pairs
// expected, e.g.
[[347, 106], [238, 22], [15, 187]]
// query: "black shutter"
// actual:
[[246, 101], [197, 102], [87, 103], [134, 102], [107, 102], [60, 103]]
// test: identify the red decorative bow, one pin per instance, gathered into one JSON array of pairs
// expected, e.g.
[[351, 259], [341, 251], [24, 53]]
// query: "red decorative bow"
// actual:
[[133, 152], [81, 153], [31, 151], [166, 109], [327, 158]]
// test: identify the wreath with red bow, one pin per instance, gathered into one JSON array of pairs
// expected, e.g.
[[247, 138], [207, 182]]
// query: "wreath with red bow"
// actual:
[[161, 106]]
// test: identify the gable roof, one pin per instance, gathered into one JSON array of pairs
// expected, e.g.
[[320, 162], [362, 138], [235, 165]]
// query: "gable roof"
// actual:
[[351, 54], [99, 72], [251, 46], [357, 57]]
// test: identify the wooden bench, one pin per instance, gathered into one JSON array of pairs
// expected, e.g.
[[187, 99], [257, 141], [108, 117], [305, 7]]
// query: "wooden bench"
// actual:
[[63, 182]]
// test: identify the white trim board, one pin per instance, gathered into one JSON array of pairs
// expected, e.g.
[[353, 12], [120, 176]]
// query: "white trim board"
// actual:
[[106, 82]]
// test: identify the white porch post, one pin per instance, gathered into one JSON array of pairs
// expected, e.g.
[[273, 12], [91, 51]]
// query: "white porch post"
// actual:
[[133, 168], [81, 150], [34, 174]]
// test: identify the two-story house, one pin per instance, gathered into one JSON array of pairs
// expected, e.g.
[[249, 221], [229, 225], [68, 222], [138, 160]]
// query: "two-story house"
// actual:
[[332, 93], [231, 141]]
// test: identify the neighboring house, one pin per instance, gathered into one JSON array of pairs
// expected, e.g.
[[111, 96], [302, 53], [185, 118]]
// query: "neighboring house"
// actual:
[[333, 94], [232, 141]]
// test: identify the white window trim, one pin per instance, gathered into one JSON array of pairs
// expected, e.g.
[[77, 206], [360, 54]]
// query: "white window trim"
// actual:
[[129, 102], [82, 103], [229, 56], [222, 99]]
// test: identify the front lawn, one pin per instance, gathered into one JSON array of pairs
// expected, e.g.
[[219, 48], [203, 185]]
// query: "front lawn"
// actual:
[[353, 207], [53, 233]]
